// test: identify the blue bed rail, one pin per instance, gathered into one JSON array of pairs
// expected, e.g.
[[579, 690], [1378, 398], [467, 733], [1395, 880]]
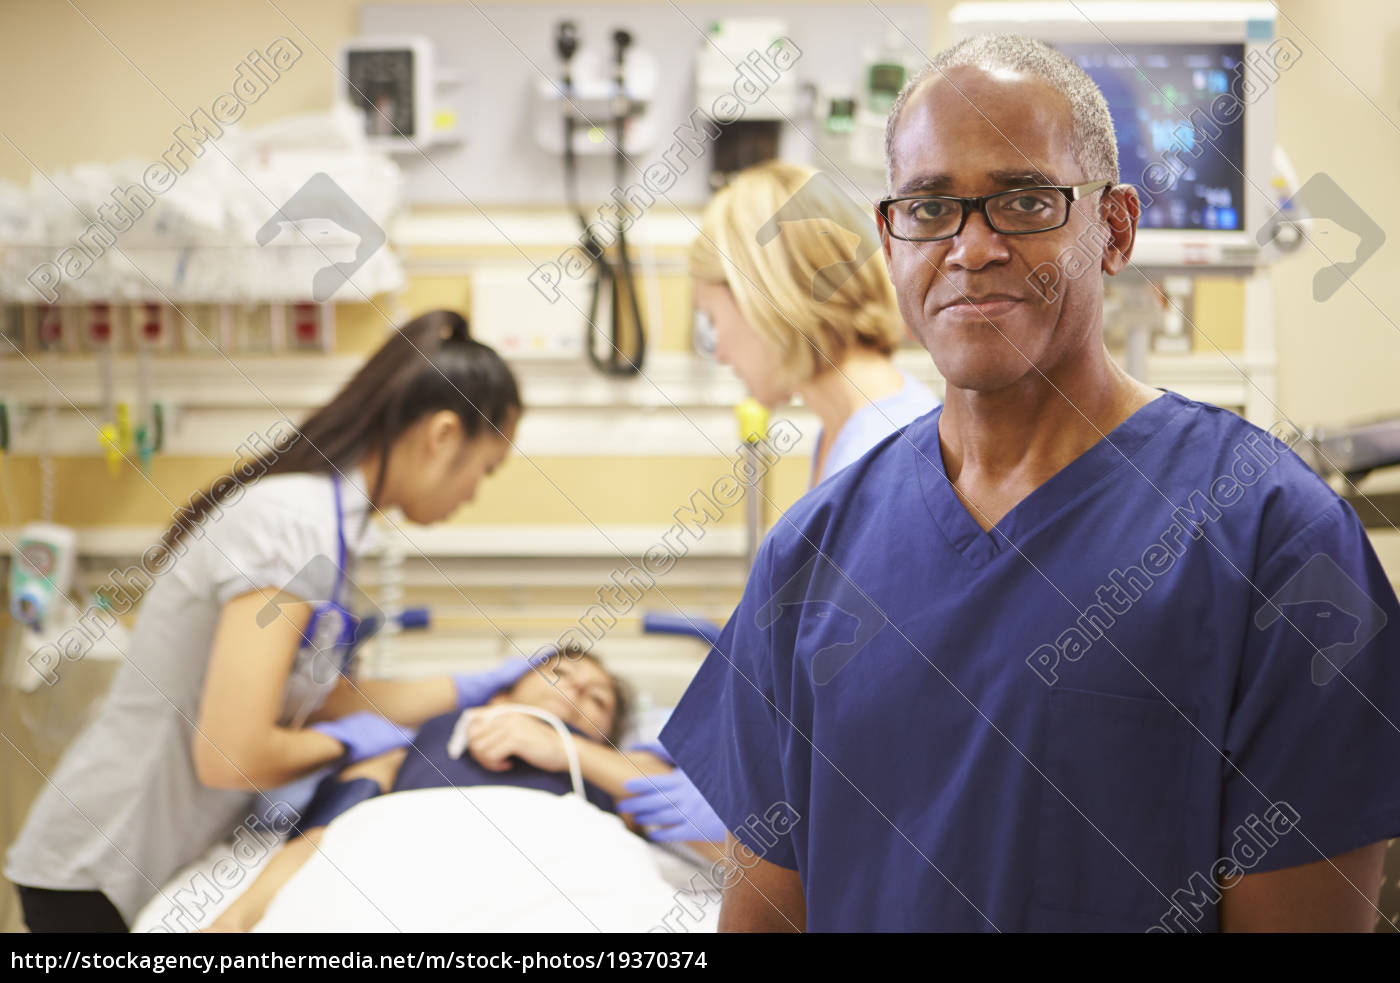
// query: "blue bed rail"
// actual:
[[656, 623]]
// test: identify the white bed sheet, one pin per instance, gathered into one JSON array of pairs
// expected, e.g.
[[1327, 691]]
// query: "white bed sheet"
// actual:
[[484, 859]]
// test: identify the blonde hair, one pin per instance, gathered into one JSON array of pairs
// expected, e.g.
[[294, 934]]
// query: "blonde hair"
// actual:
[[776, 283]]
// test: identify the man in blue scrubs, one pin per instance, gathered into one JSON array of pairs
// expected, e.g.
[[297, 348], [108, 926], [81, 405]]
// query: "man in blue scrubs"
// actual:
[[1070, 653]]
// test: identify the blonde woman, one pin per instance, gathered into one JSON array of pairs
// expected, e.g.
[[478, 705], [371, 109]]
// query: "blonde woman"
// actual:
[[794, 314]]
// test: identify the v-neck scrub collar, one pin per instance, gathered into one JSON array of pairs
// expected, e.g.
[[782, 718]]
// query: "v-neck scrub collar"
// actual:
[[981, 546]]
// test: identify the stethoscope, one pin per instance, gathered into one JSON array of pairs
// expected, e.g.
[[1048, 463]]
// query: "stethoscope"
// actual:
[[332, 626], [333, 632], [457, 741]]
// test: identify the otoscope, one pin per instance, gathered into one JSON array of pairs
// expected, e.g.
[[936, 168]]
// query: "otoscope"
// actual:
[[618, 281]]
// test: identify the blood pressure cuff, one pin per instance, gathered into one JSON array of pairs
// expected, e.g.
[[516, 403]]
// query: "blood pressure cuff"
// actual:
[[332, 798]]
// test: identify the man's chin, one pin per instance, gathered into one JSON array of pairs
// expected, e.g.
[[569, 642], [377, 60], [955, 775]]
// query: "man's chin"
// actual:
[[980, 359], [989, 373]]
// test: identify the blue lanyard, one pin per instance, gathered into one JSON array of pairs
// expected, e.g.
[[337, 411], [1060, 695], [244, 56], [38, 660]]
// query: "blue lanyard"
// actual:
[[340, 540]]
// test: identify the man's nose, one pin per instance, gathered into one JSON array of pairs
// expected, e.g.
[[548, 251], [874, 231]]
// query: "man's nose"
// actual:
[[977, 245]]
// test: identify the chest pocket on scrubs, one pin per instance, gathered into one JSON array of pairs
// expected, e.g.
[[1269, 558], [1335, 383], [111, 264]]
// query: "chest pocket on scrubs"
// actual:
[[1124, 764]]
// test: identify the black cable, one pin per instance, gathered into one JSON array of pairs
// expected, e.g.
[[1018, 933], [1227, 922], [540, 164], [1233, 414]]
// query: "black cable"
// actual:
[[621, 110], [566, 43]]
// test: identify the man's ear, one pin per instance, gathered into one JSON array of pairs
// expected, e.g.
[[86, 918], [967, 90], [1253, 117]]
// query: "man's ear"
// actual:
[[1121, 209]]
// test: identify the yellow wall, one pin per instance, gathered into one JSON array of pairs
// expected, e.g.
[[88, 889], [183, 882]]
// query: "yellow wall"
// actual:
[[1339, 360], [100, 80], [1338, 112], [72, 97]]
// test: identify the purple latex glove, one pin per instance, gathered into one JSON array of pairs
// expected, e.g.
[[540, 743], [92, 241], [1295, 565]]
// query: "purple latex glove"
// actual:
[[475, 688], [366, 734], [672, 809]]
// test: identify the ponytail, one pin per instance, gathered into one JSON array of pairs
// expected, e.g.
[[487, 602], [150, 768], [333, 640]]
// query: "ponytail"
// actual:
[[430, 364]]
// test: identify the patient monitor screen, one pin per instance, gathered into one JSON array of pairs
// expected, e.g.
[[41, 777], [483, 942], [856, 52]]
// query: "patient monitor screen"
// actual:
[[1178, 110]]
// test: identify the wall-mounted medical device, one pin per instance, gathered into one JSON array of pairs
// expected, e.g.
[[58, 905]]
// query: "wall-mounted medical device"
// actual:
[[603, 80], [1190, 87], [41, 572], [512, 95], [392, 81], [884, 71], [735, 68], [614, 297]]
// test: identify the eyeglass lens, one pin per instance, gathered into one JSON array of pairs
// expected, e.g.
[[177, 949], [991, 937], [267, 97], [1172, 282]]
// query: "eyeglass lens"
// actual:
[[1024, 210]]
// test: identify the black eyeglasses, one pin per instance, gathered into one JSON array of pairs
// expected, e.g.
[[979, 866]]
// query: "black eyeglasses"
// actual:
[[1020, 211]]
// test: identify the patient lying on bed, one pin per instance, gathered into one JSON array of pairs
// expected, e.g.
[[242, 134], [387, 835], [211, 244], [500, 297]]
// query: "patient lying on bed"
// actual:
[[505, 749]]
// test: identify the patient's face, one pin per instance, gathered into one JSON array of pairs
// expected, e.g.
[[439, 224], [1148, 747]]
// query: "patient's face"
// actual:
[[583, 694]]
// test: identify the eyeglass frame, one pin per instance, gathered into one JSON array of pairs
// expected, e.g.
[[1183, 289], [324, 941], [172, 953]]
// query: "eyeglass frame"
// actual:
[[1072, 193]]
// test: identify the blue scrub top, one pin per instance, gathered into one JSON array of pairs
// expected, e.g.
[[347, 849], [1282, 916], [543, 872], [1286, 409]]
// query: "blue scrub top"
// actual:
[[871, 424], [1178, 658]]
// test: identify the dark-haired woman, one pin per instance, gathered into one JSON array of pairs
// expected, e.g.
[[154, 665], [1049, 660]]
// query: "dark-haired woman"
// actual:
[[225, 691]]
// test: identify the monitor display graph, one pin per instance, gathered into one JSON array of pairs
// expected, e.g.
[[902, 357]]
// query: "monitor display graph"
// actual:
[[1175, 144]]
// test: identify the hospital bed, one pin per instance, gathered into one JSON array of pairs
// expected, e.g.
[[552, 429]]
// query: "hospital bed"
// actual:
[[484, 859], [488, 859]]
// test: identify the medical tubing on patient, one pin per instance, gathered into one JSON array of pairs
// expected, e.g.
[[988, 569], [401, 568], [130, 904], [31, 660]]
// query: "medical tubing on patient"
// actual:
[[457, 743], [336, 796]]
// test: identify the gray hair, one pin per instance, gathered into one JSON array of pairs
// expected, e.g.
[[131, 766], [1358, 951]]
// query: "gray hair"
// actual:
[[1092, 141]]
